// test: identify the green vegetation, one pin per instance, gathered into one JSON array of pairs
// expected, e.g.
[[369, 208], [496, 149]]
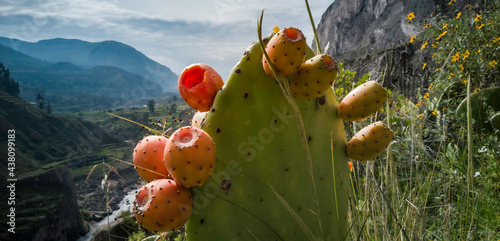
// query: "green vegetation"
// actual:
[[439, 179]]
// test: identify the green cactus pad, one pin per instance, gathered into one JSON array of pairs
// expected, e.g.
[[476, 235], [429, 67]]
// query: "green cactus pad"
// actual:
[[261, 187]]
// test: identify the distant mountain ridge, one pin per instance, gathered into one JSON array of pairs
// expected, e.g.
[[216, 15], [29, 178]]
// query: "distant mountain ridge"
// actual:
[[88, 55]]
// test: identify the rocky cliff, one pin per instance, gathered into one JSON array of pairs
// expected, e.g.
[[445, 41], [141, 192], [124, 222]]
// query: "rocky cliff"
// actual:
[[372, 36]]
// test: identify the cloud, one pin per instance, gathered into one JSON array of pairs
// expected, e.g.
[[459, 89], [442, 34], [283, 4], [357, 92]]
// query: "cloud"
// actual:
[[174, 33]]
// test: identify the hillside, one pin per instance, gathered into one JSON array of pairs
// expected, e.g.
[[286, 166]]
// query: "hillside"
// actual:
[[51, 151], [88, 55]]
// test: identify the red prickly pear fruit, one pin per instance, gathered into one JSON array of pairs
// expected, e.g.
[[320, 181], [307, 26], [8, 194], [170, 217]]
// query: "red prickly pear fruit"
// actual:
[[369, 142], [362, 101], [287, 51], [148, 156], [198, 85], [314, 77], [190, 156], [162, 205], [198, 119]]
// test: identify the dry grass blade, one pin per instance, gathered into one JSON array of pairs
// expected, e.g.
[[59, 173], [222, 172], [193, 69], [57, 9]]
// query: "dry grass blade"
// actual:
[[112, 169], [91, 171], [285, 87], [295, 216], [137, 123], [107, 204], [132, 164]]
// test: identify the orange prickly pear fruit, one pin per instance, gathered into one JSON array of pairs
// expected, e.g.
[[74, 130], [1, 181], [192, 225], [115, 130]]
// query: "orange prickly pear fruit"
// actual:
[[369, 142], [198, 85], [314, 77], [287, 50], [162, 205], [148, 156], [362, 101], [190, 156]]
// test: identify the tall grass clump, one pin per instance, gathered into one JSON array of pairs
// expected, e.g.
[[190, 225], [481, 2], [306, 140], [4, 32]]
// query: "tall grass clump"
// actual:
[[440, 177]]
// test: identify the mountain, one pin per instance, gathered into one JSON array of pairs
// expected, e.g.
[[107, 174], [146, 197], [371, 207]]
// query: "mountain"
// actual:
[[69, 87], [88, 55]]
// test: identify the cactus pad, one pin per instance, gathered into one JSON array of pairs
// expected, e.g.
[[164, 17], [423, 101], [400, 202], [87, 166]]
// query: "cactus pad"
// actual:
[[263, 187]]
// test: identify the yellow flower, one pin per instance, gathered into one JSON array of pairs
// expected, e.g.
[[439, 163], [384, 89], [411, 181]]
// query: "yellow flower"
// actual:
[[423, 67], [444, 109], [476, 90], [426, 96], [423, 45], [459, 14], [441, 35], [438, 69], [490, 22], [451, 2], [435, 112], [480, 26], [420, 116], [465, 82], [434, 45], [418, 104], [451, 75], [493, 63], [466, 54], [430, 87], [478, 17], [276, 29], [468, 6], [410, 16], [445, 26], [427, 25], [496, 40], [434, 55], [455, 57], [412, 39], [478, 51], [461, 68]]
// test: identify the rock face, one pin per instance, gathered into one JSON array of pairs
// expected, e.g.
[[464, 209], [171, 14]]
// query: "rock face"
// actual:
[[47, 207], [353, 25], [372, 36]]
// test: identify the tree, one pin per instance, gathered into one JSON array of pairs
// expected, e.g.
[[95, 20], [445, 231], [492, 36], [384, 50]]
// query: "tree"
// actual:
[[6, 83], [173, 108], [40, 101], [175, 98], [151, 106]]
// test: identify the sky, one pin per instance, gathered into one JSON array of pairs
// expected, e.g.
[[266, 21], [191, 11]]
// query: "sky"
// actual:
[[173, 33]]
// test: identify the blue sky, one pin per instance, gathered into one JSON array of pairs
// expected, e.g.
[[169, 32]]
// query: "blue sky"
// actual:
[[173, 33]]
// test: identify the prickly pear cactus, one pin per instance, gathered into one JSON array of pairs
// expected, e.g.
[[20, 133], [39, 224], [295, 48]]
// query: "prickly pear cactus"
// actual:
[[264, 187]]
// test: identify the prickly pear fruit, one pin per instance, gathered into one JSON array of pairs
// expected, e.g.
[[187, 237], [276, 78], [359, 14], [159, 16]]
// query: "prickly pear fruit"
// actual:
[[162, 205], [198, 119], [148, 156], [287, 50], [362, 101], [190, 156], [314, 77], [198, 85], [369, 142]]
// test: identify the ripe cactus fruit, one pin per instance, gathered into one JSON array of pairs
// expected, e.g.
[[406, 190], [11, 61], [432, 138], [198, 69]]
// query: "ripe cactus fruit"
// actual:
[[314, 77], [198, 85], [162, 205], [198, 119], [190, 156], [369, 142], [148, 156], [287, 50], [362, 101]]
